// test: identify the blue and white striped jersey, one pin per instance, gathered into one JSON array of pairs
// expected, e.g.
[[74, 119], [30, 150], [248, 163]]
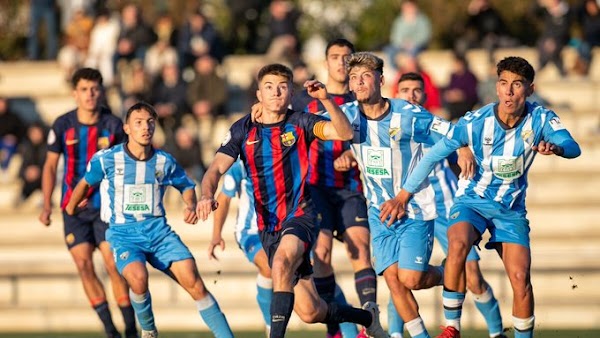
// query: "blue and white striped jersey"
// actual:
[[444, 184], [389, 148], [236, 182], [132, 190], [503, 155]]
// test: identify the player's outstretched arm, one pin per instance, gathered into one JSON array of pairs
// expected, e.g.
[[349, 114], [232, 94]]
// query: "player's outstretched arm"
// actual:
[[339, 128], [210, 181], [220, 215], [567, 149], [48, 182], [77, 196]]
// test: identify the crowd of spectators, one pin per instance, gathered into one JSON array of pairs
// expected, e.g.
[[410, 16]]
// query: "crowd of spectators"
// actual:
[[176, 62]]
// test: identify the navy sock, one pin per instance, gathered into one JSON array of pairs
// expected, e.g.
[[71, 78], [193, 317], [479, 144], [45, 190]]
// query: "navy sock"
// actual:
[[129, 320], [104, 313], [366, 285], [326, 290], [338, 313], [281, 311]]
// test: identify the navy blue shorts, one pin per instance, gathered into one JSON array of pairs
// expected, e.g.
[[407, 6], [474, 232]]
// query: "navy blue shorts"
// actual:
[[84, 227], [302, 227], [339, 209]]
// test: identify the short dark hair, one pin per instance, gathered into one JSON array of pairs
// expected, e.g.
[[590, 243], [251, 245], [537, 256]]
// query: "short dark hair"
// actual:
[[411, 76], [341, 43], [276, 69], [517, 65], [89, 74], [141, 106]]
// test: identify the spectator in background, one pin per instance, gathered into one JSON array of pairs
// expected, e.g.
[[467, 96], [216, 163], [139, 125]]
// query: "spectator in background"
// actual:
[[188, 153], [460, 95], [135, 85], [168, 96], [103, 45], [557, 18], [33, 153], [12, 130], [301, 74], [282, 40], [588, 17], [243, 29], [410, 33], [134, 38], [77, 41], [207, 93], [163, 51], [409, 64], [42, 10], [484, 28], [198, 37]]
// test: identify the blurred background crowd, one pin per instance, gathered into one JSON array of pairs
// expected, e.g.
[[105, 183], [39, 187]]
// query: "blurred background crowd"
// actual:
[[170, 53]]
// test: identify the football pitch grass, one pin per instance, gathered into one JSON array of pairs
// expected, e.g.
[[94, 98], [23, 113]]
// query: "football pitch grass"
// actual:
[[553, 333]]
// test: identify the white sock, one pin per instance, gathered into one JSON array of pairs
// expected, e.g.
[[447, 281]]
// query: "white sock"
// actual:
[[415, 327]]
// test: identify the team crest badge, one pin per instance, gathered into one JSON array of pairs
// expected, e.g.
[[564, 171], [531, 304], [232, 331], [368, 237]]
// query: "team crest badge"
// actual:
[[70, 238], [527, 136], [103, 143], [393, 132], [288, 139], [123, 256]]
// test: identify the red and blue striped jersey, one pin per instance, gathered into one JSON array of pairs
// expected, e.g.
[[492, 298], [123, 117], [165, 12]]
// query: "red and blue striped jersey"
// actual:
[[276, 161], [77, 143], [322, 154]]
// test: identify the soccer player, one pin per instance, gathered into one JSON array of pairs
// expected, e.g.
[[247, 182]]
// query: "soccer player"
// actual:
[[133, 177], [504, 137], [338, 196], [236, 182], [444, 182], [77, 135], [275, 156], [387, 143]]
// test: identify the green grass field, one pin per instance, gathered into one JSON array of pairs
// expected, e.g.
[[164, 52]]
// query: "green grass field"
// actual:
[[465, 334]]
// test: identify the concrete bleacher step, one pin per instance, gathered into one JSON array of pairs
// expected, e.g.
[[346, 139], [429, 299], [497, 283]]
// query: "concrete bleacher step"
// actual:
[[26, 78]]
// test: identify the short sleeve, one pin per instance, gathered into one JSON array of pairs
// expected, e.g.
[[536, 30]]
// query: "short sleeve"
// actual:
[[54, 140], [308, 122], [233, 140], [429, 129], [177, 177], [94, 173]]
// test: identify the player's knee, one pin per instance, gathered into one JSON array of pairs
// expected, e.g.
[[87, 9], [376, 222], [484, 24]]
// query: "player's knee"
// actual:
[[392, 281], [458, 249], [308, 315], [520, 280], [412, 281], [322, 255], [85, 266]]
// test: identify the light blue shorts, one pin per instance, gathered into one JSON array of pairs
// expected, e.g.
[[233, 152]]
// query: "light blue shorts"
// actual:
[[407, 242], [150, 241], [250, 244], [440, 232], [505, 225]]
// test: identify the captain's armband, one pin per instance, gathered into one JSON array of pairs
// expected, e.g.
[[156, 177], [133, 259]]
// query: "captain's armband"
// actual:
[[319, 129]]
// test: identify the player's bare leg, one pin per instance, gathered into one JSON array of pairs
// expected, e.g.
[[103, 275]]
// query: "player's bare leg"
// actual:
[[82, 255], [120, 290]]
